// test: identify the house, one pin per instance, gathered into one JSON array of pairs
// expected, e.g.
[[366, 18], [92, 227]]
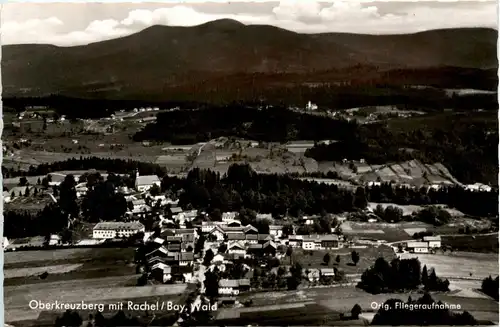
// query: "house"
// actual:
[[329, 242], [218, 232], [233, 286], [309, 243], [218, 258], [263, 238], [276, 230], [236, 248], [54, 239], [309, 220], [434, 241], [6, 243], [418, 247], [229, 216], [188, 235], [238, 236], [327, 272], [295, 241], [266, 216], [6, 197], [110, 230], [312, 275], [175, 210], [252, 238], [161, 272], [144, 183], [249, 229], [233, 223], [174, 243], [268, 248], [186, 259]]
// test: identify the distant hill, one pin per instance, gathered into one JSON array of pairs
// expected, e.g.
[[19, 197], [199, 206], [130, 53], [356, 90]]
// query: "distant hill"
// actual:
[[162, 61]]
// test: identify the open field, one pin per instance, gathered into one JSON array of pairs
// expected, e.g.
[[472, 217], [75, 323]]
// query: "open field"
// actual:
[[474, 243], [343, 298], [409, 209], [27, 257], [457, 267], [101, 290], [35, 271], [85, 263], [20, 259], [314, 259]]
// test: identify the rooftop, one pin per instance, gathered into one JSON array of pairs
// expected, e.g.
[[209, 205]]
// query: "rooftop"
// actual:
[[118, 225], [147, 180]]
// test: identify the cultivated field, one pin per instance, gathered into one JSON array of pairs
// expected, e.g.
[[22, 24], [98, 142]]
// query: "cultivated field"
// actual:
[[35, 271], [44, 256], [459, 265], [343, 298], [91, 275], [367, 257]]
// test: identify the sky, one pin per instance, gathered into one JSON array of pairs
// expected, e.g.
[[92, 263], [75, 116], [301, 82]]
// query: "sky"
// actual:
[[70, 24]]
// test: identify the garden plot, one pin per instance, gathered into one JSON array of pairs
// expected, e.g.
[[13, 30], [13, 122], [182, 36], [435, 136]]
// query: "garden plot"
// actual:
[[26, 272]]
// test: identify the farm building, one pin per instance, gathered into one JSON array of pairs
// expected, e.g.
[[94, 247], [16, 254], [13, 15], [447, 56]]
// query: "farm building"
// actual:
[[110, 230], [276, 230], [144, 183], [418, 247], [434, 241], [233, 286]]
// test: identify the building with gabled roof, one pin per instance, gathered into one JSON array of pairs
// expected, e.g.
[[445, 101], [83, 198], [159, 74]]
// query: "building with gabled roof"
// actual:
[[144, 183], [110, 230]]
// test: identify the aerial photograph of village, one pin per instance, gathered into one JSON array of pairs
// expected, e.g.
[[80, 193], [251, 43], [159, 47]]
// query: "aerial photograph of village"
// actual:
[[239, 163]]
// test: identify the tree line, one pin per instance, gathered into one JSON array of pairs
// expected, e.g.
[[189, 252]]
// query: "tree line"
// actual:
[[465, 143], [400, 275], [280, 195], [117, 166]]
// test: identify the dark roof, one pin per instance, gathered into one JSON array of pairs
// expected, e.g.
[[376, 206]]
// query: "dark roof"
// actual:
[[235, 236], [185, 231], [187, 256], [264, 237]]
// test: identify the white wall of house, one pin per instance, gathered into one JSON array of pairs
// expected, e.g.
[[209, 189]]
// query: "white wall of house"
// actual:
[[421, 250], [434, 244], [228, 291], [306, 245]]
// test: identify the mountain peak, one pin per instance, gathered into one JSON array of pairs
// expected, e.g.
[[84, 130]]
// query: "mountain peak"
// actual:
[[223, 23]]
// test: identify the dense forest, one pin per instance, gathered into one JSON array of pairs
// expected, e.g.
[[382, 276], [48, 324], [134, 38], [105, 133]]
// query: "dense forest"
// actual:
[[280, 195], [117, 166], [242, 188], [467, 144], [327, 96]]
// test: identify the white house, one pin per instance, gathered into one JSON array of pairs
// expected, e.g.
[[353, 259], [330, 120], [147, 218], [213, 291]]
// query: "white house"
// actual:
[[218, 233], [309, 243], [434, 241], [418, 247], [295, 240], [144, 183], [54, 239], [233, 286], [229, 287], [229, 216], [110, 230], [6, 197], [478, 187], [236, 248], [276, 230], [5, 243]]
